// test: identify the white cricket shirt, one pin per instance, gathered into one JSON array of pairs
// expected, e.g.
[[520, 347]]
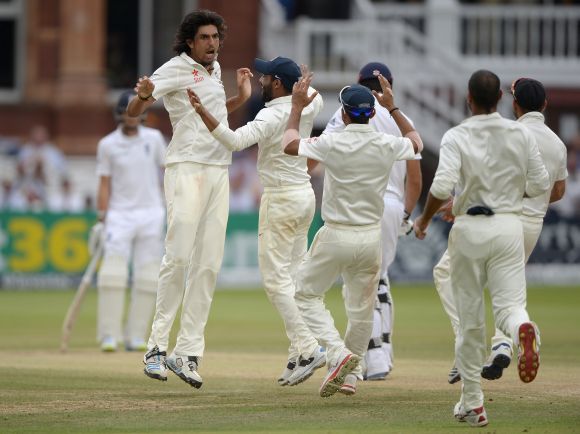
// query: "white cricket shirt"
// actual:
[[553, 152], [133, 163], [489, 159], [191, 140], [382, 122], [357, 164], [275, 168]]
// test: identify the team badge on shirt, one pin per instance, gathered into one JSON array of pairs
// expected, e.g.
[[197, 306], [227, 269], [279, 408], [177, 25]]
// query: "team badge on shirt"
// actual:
[[196, 77]]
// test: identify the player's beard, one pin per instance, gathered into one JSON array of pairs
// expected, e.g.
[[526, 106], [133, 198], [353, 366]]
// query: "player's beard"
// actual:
[[267, 93]]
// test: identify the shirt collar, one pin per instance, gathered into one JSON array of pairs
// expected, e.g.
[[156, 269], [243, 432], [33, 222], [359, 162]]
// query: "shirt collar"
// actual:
[[532, 117], [280, 100], [192, 62], [477, 118], [359, 128]]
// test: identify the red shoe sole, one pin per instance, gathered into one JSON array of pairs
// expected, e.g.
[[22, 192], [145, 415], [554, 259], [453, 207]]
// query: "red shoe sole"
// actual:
[[529, 356]]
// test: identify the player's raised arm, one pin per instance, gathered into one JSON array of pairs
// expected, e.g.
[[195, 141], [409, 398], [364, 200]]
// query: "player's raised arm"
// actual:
[[300, 99], [144, 98], [386, 99], [243, 78]]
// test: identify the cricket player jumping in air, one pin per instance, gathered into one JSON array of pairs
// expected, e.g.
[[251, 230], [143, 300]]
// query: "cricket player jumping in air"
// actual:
[[196, 192]]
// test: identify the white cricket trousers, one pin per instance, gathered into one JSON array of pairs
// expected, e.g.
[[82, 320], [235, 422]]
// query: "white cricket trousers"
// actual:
[[484, 250], [285, 217], [532, 227], [197, 197], [354, 252], [132, 237]]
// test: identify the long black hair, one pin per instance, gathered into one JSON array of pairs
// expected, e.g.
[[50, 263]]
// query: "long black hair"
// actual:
[[190, 25]]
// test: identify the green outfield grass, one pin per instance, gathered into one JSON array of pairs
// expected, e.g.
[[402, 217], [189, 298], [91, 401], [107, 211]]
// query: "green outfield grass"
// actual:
[[42, 390]]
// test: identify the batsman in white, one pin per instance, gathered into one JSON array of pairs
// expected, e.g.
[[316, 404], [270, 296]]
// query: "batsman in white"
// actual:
[[357, 162], [287, 204], [131, 222], [528, 104], [403, 191], [491, 162], [196, 192]]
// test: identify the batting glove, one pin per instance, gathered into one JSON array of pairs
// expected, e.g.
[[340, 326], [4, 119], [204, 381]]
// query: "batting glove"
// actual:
[[96, 238], [406, 225]]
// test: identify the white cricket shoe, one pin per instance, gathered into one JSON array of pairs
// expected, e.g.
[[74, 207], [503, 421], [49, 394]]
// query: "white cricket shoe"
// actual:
[[499, 359], [185, 367], [349, 385], [306, 366], [109, 344], [337, 374], [475, 417], [287, 373], [155, 366], [136, 345], [529, 351]]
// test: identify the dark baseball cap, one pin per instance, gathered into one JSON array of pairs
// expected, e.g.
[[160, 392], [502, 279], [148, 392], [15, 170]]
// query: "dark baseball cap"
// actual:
[[282, 68], [123, 101], [373, 69], [357, 100], [529, 93]]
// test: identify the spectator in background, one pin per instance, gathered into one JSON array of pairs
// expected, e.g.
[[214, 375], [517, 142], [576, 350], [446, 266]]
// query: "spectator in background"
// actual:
[[245, 186], [40, 159], [66, 200], [5, 192], [28, 190], [569, 206]]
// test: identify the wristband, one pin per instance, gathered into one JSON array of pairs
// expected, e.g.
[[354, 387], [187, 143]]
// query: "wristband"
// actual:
[[393, 109], [145, 99]]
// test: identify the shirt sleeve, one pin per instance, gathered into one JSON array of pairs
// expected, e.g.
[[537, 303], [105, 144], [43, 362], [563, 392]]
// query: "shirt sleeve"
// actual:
[[562, 173], [537, 178], [103, 161], [165, 80], [316, 148], [402, 148], [447, 173], [335, 124], [246, 136]]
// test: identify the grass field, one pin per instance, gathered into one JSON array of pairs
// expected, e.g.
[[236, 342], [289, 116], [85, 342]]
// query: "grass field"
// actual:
[[42, 390]]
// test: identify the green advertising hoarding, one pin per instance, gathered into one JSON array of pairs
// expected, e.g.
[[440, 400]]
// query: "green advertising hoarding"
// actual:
[[49, 250]]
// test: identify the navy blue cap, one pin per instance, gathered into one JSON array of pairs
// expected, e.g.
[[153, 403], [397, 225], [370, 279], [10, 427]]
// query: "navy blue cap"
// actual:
[[373, 69], [123, 101], [529, 94], [282, 68], [357, 100]]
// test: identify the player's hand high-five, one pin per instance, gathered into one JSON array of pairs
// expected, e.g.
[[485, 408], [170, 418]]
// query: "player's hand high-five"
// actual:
[[386, 98], [300, 97], [243, 79]]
